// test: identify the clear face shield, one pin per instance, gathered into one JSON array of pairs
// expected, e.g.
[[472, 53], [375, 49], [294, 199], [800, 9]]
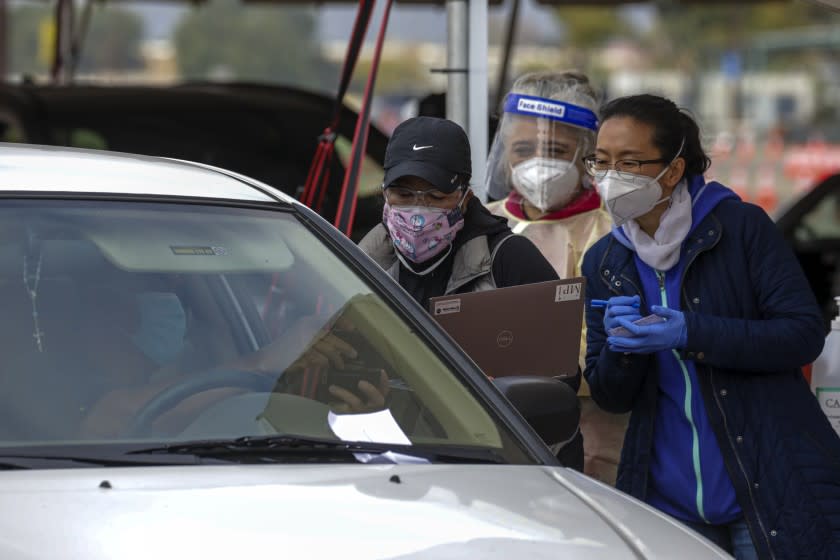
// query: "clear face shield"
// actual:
[[537, 152]]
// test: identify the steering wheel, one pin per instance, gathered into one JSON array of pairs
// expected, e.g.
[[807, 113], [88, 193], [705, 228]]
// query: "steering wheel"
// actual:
[[171, 396]]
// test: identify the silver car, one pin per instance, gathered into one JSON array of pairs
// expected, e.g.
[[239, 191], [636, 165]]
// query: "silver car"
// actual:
[[196, 366]]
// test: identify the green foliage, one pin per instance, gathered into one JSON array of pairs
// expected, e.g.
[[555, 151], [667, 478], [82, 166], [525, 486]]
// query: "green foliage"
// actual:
[[704, 32], [85, 138], [796, 13], [224, 39], [24, 45], [112, 42], [393, 76], [588, 27]]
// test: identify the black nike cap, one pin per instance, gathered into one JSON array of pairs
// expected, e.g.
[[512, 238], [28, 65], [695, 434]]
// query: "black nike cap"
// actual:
[[433, 149]]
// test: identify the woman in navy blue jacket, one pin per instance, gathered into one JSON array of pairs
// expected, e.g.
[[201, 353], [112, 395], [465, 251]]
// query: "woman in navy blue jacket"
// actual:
[[725, 434]]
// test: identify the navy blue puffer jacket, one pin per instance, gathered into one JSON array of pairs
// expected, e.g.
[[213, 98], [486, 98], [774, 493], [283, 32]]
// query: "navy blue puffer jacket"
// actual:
[[752, 323]]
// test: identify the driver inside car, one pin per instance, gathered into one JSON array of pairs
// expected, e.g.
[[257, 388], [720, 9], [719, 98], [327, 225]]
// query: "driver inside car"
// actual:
[[153, 348]]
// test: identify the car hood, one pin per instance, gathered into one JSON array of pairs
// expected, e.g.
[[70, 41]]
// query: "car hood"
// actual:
[[344, 511]]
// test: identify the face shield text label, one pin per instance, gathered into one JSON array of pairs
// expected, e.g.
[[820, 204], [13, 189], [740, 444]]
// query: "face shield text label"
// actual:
[[541, 108]]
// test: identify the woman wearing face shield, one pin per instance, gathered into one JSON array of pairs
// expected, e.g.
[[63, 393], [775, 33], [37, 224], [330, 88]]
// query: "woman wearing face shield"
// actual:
[[724, 433], [535, 171], [536, 176]]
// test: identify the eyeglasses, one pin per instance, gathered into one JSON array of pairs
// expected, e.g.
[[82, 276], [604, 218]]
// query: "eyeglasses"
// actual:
[[397, 195], [625, 168]]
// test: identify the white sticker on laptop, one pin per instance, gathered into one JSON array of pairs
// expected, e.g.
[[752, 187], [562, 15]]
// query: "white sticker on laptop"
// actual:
[[568, 292], [447, 306]]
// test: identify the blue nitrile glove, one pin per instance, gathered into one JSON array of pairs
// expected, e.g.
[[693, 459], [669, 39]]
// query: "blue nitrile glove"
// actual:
[[670, 334], [619, 307]]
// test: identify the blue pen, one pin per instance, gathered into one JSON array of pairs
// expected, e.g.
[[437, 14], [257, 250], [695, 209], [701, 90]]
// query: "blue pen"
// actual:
[[598, 303]]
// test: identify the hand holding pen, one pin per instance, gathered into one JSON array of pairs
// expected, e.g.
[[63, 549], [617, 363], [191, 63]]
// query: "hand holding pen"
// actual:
[[618, 307], [600, 303]]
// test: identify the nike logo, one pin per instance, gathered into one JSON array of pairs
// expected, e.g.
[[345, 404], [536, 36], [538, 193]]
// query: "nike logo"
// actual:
[[417, 148]]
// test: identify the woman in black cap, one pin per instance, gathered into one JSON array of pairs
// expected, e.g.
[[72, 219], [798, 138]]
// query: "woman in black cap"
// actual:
[[435, 237]]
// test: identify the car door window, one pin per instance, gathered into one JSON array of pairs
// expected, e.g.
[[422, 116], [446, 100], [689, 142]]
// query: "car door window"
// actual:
[[822, 222], [243, 319]]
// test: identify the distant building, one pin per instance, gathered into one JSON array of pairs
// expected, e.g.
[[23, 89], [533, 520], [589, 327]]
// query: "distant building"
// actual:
[[762, 99]]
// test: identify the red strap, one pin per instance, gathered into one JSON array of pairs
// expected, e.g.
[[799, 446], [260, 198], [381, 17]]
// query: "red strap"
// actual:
[[354, 47], [316, 179], [347, 203], [320, 204]]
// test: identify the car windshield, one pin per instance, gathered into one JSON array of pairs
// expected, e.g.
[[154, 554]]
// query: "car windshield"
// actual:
[[128, 322]]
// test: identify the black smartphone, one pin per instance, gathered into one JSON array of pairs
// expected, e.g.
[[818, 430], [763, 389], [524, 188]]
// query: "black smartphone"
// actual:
[[347, 378]]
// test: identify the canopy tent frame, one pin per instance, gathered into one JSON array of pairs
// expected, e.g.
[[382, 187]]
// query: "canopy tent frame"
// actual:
[[467, 96], [70, 36]]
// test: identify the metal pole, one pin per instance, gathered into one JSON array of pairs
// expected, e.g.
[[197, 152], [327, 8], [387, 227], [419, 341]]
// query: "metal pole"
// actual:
[[64, 18], [504, 66], [4, 42], [457, 33], [478, 88], [79, 40]]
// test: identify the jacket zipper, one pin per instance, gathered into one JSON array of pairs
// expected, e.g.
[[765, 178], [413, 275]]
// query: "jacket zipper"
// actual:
[[740, 466], [695, 438], [723, 414], [635, 287]]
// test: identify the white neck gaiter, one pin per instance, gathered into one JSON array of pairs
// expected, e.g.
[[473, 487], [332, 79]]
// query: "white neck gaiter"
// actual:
[[662, 251]]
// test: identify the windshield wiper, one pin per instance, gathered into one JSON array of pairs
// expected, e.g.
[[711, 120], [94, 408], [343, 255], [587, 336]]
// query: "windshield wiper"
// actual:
[[25, 461], [6, 464], [290, 448]]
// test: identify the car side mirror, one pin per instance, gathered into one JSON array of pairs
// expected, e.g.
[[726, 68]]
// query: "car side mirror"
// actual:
[[549, 405]]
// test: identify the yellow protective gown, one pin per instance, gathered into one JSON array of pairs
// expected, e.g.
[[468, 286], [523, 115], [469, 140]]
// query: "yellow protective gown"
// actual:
[[563, 242]]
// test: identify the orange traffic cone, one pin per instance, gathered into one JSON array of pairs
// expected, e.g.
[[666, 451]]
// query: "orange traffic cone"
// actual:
[[738, 183], [767, 198]]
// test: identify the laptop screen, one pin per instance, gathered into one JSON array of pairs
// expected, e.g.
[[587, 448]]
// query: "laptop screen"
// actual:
[[533, 329]]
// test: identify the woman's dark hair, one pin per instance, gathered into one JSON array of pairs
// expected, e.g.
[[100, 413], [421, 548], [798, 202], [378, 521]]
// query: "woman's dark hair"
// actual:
[[670, 125]]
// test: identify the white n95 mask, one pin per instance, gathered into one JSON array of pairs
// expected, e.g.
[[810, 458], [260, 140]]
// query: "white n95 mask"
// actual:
[[629, 195], [546, 183]]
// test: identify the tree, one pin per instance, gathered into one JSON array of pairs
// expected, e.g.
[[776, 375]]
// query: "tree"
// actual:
[[393, 76], [25, 26], [704, 32], [254, 43], [112, 42], [589, 27]]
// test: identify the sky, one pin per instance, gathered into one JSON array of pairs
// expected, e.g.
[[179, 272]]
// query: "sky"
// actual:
[[418, 23], [409, 23]]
